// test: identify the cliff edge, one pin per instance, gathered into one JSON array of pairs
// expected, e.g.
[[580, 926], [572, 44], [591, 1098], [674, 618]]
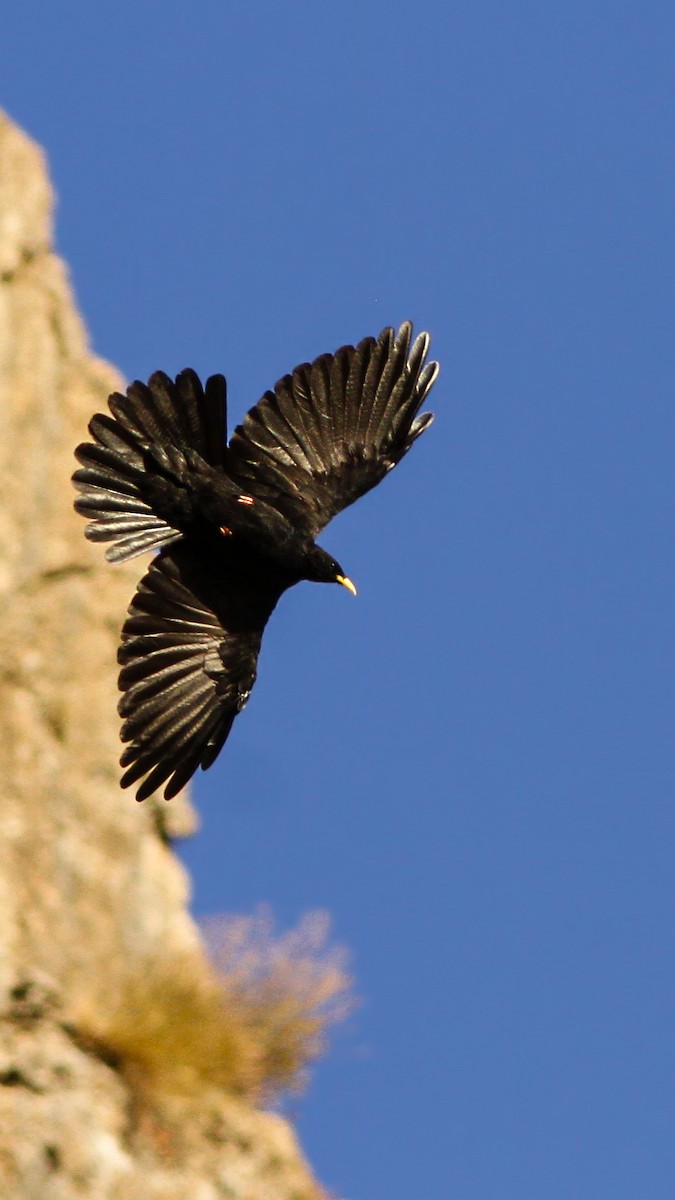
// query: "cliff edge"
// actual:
[[90, 891]]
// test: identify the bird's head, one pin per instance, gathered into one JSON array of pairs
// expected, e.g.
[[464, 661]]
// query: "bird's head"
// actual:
[[322, 568]]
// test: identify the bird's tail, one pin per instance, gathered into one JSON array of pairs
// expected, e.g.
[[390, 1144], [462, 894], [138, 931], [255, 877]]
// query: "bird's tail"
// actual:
[[134, 472]]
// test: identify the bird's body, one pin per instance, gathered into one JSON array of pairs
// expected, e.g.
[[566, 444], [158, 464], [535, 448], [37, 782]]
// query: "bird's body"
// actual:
[[235, 526]]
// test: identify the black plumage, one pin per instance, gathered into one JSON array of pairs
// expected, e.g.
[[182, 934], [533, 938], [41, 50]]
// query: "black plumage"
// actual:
[[235, 526]]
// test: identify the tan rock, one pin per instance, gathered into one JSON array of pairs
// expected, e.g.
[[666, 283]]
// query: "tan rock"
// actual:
[[88, 885]]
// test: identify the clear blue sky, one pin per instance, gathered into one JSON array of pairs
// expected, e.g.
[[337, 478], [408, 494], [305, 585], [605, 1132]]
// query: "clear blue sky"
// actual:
[[471, 766]]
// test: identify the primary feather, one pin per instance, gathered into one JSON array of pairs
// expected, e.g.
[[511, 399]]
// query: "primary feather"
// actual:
[[331, 430]]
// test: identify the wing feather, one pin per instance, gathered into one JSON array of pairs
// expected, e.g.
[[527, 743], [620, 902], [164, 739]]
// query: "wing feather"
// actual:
[[188, 663], [134, 478], [332, 429]]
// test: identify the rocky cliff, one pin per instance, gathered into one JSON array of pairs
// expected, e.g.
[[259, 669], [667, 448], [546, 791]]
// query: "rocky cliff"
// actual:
[[92, 899]]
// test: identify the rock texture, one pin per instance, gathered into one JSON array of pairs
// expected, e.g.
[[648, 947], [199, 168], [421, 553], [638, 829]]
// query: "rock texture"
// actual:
[[89, 887]]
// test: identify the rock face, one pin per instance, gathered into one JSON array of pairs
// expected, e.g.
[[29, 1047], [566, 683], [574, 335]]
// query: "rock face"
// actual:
[[89, 887]]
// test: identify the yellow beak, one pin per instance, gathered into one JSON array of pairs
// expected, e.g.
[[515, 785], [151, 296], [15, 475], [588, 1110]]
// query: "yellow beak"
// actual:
[[346, 583]]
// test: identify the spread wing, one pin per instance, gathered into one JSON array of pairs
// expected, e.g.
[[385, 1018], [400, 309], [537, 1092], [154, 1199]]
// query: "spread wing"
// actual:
[[189, 652], [332, 429]]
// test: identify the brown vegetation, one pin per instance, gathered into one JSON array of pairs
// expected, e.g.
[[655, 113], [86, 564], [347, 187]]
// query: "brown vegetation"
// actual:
[[252, 1028]]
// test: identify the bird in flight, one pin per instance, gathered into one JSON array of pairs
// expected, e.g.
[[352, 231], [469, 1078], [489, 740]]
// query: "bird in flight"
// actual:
[[235, 526]]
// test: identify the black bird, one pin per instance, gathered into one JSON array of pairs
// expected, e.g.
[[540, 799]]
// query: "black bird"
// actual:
[[235, 526]]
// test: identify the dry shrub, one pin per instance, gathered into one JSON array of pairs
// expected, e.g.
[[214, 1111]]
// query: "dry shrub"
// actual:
[[293, 987], [250, 1024]]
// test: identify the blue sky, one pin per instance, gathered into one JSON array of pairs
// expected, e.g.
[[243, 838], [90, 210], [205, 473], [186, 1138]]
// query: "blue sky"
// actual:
[[470, 766]]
